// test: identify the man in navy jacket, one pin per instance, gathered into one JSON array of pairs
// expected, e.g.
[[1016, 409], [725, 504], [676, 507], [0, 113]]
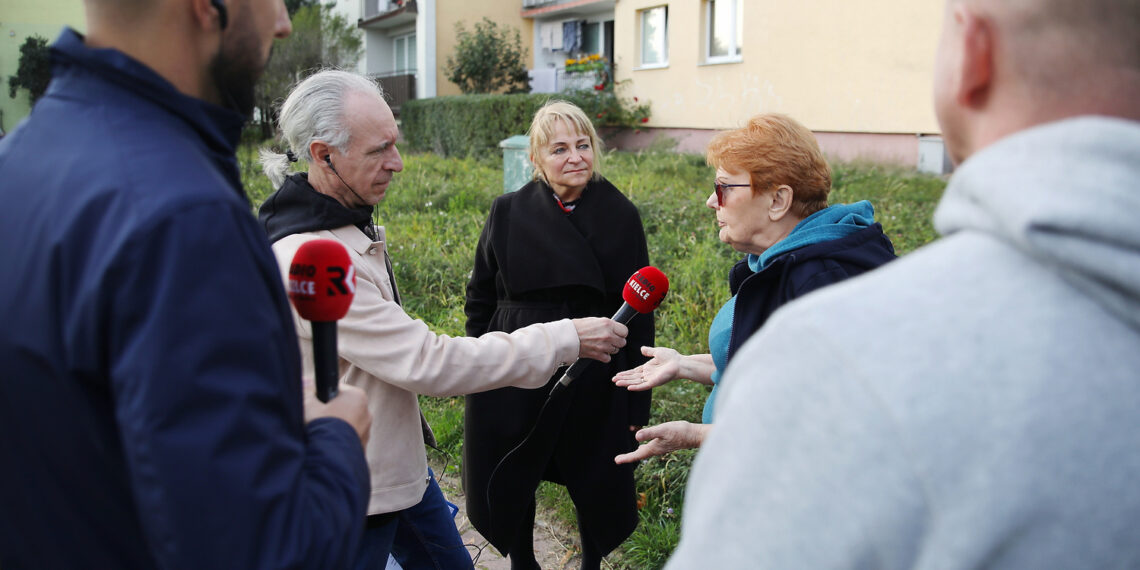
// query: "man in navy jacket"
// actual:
[[150, 384]]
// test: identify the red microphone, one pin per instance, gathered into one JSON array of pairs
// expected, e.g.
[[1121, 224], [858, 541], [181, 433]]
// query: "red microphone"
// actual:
[[643, 292], [322, 282]]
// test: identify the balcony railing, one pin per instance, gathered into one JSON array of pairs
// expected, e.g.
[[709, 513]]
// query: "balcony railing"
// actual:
[[398, 87], [373, 8]]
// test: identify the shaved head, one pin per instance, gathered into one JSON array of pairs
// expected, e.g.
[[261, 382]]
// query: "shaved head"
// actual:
[[1050, 41], [1007, 65], [130, 10]]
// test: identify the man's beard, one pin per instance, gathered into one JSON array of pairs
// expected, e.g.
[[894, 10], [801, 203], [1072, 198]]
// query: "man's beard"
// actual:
[[236, 70]]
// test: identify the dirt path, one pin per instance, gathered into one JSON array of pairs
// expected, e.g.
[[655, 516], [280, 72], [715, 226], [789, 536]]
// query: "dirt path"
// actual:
[[555, 547]]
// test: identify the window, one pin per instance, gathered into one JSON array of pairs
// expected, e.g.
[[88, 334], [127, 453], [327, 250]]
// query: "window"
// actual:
[[592, 37], [654, 25], [724, 31], [405, 50]]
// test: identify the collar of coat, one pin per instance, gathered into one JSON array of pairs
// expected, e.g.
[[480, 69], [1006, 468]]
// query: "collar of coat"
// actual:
[[298, 208], [218, 128], [591, 246]]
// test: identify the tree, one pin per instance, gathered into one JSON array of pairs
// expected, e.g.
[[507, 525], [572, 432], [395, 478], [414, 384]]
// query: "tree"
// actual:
[[34, 71], [292, 6], [488, 60], [320, 38]]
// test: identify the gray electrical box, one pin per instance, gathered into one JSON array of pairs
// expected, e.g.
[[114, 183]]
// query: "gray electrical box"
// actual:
[[517, 169], [932, 157]]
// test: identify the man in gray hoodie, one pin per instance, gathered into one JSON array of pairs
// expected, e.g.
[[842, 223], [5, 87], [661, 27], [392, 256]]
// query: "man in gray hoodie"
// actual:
[[976, 403]]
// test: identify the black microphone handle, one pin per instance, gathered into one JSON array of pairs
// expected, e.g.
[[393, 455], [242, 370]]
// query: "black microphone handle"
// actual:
[[623, 316], [325, 359]]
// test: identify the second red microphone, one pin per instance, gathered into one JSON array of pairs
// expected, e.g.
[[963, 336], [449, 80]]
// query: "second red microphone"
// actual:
[[322, 282]]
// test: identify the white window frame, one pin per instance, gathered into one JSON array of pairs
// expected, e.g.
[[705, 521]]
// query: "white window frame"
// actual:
[[735, 33], [663, 34], [409, 40]]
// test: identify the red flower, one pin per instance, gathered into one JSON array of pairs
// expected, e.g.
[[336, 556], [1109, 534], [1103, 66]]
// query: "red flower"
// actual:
[[635, 99], [599, 87], [599, 115], [645, 119]]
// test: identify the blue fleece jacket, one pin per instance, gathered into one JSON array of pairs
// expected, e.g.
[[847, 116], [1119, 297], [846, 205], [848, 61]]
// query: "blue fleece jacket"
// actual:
[[828, 246]]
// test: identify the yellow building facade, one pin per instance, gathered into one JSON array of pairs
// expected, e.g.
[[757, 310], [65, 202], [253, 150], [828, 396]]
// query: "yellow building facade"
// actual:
[[468, 13], [407, 42], [859, 74]]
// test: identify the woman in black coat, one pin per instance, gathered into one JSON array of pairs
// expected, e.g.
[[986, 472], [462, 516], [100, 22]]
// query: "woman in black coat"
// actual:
[[560, 247]]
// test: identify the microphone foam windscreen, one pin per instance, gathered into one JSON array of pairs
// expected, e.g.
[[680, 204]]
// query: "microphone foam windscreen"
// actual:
[[645, 289], [322, 280]]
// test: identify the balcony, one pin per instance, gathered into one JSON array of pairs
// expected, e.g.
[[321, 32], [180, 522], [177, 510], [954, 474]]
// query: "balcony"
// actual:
[[383, 14], [546, 8], [399, 86]]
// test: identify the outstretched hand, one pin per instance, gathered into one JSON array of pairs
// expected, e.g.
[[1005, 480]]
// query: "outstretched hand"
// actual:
[[665, 438], [664, 365]]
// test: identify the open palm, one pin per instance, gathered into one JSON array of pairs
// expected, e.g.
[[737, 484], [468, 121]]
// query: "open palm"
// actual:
[[663, 366]]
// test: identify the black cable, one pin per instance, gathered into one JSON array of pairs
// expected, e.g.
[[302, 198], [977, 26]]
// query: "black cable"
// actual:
[[491, 478], [362, 200]]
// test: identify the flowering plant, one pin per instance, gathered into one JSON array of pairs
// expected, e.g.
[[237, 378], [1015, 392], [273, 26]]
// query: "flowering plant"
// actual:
[[607, 108], [586, 64]]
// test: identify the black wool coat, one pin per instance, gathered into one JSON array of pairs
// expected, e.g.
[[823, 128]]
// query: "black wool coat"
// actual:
[[536, 263]]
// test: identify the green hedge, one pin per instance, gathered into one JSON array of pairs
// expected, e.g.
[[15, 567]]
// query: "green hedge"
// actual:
[[473, 125], [467, 125]]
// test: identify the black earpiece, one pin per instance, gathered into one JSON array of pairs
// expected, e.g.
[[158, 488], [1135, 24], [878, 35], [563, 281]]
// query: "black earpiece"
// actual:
[[328, 161], [223, 17]]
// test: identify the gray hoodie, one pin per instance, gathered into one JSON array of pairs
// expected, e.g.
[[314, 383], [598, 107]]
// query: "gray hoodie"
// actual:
[[975, 404]]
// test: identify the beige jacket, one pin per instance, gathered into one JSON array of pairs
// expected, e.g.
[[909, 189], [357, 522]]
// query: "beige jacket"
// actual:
[[393, 358]]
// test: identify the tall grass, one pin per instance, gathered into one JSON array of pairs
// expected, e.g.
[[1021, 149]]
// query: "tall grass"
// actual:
[[435, 210]]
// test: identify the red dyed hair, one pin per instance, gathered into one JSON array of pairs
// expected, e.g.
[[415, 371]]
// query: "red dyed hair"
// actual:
[[775, 149]]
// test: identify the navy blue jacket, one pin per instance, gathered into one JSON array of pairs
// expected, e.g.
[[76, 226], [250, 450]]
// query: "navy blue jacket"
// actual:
[[798, 273], [149, 373]]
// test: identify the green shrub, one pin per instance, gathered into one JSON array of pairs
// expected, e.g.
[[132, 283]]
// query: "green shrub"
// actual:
[[466, 125], [488, 59], [33, 72], [473, 125], [607, 108]]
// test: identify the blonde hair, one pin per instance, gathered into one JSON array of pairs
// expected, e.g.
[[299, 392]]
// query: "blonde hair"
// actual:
[[775, 149], [542, 129]]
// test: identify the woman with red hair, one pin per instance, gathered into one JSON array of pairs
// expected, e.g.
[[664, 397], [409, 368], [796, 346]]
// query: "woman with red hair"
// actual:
[[770, 198]]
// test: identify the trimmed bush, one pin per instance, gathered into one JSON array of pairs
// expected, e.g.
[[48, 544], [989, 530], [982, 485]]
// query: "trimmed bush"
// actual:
[[473, 125], [467, 125]]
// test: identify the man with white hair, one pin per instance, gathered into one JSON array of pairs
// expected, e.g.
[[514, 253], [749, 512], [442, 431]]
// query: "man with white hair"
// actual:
[[339, 124], [974, 404], [150, 393]]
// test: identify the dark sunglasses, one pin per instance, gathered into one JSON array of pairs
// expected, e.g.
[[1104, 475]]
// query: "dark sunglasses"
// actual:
[[720, 191]]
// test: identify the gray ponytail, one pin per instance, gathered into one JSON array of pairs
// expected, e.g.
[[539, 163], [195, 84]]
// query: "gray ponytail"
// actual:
[[275, 165]]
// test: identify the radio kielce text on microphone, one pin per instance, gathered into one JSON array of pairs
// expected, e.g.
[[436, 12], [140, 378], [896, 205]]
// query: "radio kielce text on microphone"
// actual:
[[322, 282], [643, 292]]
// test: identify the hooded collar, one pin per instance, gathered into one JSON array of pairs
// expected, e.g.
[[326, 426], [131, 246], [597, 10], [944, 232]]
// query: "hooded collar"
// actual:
[[831, 223], [297, 208], [1065, 194]]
